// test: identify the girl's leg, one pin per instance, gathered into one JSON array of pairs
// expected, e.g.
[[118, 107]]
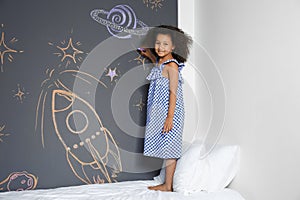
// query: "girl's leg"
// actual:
[[170, 170]]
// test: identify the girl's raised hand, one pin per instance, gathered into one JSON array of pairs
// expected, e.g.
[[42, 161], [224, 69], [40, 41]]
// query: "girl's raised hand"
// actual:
[[146, 53]]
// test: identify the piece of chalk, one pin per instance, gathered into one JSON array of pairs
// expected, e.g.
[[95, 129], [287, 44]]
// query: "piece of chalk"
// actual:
[[141, 49]]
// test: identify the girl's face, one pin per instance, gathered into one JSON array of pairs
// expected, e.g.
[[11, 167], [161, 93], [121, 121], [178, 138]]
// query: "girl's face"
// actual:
[[163, 45]]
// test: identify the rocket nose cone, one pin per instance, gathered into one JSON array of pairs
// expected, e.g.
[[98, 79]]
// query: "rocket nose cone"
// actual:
[[61, 100]]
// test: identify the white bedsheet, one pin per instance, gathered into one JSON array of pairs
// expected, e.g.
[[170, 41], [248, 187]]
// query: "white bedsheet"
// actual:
[[128, 190]]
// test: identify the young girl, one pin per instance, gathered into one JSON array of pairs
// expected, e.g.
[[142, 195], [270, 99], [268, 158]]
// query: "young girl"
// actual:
[[165, 107]]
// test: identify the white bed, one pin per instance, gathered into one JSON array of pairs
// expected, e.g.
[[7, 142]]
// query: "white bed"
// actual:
[[194, 179], [129, 190]]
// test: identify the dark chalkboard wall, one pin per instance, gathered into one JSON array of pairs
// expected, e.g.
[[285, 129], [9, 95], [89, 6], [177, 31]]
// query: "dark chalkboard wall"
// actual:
[[44, 141]]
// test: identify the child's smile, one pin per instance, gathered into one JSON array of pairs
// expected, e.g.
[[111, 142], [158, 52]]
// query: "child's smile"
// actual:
[[163, 45]]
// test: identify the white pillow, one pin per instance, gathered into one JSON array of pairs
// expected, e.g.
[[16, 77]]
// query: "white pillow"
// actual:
[[211, 173], [191, 173], [224, 165], [185, 170]]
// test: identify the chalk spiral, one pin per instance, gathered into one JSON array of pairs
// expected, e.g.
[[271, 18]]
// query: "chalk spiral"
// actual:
[[123, 16]]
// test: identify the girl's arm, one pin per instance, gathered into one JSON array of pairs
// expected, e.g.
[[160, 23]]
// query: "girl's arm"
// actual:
[[173, 81]]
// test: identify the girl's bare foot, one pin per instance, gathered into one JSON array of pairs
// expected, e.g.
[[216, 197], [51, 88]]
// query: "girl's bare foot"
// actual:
[[161, 187]]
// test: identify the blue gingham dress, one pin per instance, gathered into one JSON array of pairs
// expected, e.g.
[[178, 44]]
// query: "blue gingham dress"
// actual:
[[158, 144]]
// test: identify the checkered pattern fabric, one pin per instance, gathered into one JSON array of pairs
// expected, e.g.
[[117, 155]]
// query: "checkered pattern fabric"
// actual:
[[157, 144]]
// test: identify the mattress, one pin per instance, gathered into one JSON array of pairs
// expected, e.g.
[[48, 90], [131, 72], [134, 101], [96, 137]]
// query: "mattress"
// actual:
[[128, 190]]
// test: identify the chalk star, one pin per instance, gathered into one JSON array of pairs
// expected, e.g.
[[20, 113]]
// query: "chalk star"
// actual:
[[4, 49], [140, 105], [20, 94], [154, 3], [2, 134], [112, 73], [141, 59], [69, 51]]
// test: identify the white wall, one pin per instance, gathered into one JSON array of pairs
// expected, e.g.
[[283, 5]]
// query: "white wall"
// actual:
[[189, 88], [256, 45]]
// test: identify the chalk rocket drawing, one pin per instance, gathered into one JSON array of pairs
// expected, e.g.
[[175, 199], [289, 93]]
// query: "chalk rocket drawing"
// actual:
[[96, 140], [55, 80], [90, 149], [18, 181]]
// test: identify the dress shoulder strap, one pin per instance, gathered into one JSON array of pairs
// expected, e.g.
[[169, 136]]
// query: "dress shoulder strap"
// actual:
[[180, 65]]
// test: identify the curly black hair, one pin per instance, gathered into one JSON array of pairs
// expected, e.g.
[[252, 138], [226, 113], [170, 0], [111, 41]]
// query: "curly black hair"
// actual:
[[181, 41]]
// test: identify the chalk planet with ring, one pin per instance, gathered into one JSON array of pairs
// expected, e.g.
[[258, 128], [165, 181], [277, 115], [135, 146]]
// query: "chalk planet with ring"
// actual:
[[120, 21]]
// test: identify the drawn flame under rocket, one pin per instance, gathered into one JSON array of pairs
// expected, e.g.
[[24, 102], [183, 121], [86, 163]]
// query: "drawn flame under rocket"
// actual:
[[91, 151]]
